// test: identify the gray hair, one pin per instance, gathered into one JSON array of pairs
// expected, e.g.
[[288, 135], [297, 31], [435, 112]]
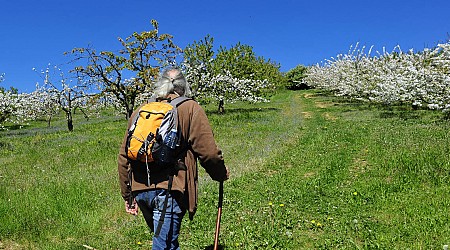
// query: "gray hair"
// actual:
[[172, 81]]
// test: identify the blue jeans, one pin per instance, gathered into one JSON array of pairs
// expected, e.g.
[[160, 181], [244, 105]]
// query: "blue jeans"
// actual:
[[151, 203]]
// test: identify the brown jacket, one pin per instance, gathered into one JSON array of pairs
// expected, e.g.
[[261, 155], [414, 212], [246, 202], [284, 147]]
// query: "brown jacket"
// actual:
[[199, 139]]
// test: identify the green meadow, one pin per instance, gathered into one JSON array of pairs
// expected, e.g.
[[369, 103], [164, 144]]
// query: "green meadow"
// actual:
[[308, 171]]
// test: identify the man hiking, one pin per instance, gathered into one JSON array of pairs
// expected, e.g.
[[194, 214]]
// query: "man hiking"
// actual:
[[146, 186]]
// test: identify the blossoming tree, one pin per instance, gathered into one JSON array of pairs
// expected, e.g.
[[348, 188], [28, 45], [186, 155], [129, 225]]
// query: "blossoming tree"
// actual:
[[132, 71], [233, 74], [72, 94], [420, 79]]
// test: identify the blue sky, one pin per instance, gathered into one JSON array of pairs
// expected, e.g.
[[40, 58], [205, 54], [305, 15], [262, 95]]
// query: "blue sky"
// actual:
[[36, 33]]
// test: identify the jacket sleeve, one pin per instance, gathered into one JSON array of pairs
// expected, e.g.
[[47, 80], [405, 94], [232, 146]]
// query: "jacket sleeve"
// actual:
[[123, 169], [124, 165], [204, 145]]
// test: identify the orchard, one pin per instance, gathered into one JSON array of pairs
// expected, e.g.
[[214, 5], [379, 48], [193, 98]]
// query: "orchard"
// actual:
[[420, 79], [122, 80]]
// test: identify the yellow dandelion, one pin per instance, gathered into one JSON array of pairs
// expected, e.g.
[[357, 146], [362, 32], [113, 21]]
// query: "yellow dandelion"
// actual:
[[139, 243], [313, 222], [318, 224], [355, 193], [270, 203], [281, 205]]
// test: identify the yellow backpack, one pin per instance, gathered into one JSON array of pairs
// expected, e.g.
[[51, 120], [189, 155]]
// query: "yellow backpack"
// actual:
[[154, 135]]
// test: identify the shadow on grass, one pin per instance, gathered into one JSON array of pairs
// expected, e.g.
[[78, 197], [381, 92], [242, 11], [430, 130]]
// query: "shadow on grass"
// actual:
[[31, 131], [6, 145], [16, 127], [385, 111], [403, 112], [404, 115], [240, 111]]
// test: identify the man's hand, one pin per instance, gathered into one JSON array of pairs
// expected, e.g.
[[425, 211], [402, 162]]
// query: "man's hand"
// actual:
[[133, 209]]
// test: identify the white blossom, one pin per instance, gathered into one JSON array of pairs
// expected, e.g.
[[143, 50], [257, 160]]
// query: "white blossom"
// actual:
[[420, 79]]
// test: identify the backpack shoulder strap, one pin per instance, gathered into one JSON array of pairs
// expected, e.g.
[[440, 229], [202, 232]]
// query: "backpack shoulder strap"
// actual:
[[179, 100]]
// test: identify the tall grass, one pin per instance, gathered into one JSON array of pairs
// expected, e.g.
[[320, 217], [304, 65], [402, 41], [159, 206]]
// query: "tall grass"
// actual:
[[309, 171]]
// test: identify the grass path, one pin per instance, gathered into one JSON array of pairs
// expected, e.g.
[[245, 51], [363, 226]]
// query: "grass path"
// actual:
[[341, 176]]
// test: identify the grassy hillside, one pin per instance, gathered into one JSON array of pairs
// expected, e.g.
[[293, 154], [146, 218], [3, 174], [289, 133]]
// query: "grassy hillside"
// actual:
[[309, 171]]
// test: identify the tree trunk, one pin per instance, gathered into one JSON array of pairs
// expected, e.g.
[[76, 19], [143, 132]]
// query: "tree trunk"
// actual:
[[49, 121], [221, 109], [129, 113], [69, 121]]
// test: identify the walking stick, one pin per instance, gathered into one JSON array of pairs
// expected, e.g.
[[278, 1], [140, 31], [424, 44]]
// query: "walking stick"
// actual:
[[219, 214]]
